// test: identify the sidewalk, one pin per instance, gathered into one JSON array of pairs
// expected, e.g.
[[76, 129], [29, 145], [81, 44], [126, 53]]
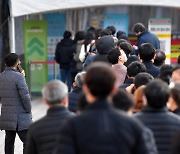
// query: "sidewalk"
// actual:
[[38, 111]]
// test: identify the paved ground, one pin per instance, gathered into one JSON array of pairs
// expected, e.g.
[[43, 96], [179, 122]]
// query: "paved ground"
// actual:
[[38, 111]]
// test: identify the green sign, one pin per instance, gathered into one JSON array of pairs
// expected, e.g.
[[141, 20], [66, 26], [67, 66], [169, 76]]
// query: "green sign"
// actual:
[[35, 50]]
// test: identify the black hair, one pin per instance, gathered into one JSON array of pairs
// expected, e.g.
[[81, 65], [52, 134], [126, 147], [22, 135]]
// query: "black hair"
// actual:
[[112, 29], [127, 47], [91, 29], [135, 68], [98, 32], [113, 56], [160, 58], [175, 93], [11, 59], [123, 100], [105, 32], [138, 27], [131, 58], [67, 35], [166, 73], [178, 59], [100, 79], [142, 79], [121, 41], [146, 52], [157, 94], [88, 38], [80, 35], [119, 34], [176, 67], [123, 37]]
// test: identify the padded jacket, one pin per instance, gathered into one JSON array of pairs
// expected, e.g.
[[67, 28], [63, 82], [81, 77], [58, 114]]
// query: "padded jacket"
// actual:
[[163, 124], [15, 100]]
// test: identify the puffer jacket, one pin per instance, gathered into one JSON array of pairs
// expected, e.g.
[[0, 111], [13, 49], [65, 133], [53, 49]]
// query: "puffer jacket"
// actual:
[[100, 129], [73, 98], [163, 124], [15, 100], [41, 138]]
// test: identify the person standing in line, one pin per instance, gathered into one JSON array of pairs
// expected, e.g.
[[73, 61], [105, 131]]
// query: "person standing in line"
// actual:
[[64, 56], [117, 58], [156, 116], [16, 114], [144, 36], [147, 54], [74, 95], [100, 128], [160, 58], [42, 134], [174, 99]]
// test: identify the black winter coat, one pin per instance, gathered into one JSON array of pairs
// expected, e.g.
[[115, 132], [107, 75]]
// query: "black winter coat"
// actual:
[[127, 83], [152, 69], [64, 53], [100, 129], [164, 125], [42, 134], [73, 98], [101, 58]]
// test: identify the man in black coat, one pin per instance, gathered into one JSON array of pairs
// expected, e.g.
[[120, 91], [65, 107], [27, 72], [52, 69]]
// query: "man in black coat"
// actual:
[[64, 56], [132, 70], [76, 92], [42, 134], [156, 116], [100, 128], [147, 54], [174, 99]]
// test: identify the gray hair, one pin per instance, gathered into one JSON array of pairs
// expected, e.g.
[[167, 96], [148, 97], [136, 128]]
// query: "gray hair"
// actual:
[[79, 79], [54, 91]]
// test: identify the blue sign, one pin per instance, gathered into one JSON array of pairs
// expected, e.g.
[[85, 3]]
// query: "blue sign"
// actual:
[[56, 27], [120, 21], [56, 24]]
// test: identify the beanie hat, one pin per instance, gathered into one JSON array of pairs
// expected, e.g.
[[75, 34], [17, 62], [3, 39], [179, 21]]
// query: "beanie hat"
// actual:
[[105, 44]]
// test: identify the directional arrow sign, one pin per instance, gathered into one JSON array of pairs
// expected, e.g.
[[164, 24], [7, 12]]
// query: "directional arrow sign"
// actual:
[[35, 41], [35, 49], [35, 45]]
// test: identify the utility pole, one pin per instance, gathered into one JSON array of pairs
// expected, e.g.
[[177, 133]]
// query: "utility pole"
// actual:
[[4, 30]]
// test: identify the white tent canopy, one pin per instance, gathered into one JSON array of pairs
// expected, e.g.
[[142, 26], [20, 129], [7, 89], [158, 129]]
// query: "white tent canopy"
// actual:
[[25, 7]]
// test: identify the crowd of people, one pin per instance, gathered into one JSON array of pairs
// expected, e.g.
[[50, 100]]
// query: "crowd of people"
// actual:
[[114, 98]]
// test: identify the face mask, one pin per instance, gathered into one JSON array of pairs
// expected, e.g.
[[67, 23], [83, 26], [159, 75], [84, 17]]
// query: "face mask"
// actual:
[[124, 56]]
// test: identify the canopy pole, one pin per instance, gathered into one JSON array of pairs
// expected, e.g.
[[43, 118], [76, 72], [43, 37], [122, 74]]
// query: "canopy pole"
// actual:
[[12, 30]]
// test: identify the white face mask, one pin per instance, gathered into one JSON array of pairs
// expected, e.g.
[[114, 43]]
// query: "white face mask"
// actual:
[[124, 55]]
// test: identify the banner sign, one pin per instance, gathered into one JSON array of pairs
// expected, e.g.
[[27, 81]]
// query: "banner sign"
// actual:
[[120, 21], [162, 28], [56, 25], [175, 50], [35, 49]]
